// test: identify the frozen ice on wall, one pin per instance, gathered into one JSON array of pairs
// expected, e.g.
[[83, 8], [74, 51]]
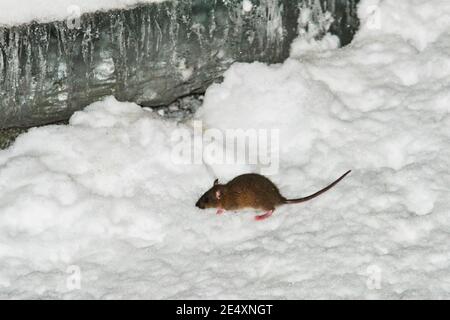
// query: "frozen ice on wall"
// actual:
[[150, 54]]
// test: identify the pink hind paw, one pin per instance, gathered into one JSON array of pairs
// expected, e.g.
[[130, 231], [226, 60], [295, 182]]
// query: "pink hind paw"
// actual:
[[220, 211], [264, 216]]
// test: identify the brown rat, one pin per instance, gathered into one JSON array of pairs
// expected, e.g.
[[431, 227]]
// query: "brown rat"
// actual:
[[251, 191]]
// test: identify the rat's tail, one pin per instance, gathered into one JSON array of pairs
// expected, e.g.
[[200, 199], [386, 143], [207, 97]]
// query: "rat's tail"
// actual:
[[318, 193]]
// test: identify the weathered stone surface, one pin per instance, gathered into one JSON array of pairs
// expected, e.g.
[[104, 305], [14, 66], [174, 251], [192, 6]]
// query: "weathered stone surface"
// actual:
[[151, 54]]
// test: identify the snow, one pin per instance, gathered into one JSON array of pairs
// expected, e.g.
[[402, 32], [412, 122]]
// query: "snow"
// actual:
[[247, 5], [102, 201], [15, 12], [415, 21]]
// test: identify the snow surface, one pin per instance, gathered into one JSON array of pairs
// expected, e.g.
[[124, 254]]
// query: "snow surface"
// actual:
[[14, 12], [102, 193], [247, 5]]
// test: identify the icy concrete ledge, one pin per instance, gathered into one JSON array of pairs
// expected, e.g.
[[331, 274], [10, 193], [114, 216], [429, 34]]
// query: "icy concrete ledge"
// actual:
[[151, 54]]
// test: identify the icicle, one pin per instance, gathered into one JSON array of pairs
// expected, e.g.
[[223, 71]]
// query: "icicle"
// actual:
[[2, 62]]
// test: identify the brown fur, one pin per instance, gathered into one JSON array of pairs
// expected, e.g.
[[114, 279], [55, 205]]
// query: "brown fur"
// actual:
[[250, 191]]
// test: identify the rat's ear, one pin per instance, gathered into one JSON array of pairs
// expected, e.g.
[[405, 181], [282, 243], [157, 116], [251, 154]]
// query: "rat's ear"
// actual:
[[216, 182], [218, 194]]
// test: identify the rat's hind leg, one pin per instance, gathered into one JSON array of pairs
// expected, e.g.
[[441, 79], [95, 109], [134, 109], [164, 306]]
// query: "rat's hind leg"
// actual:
[[264, 216], [220, 211]]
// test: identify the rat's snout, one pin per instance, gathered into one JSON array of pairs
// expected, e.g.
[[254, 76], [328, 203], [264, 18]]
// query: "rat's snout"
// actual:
[[200, 205]]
